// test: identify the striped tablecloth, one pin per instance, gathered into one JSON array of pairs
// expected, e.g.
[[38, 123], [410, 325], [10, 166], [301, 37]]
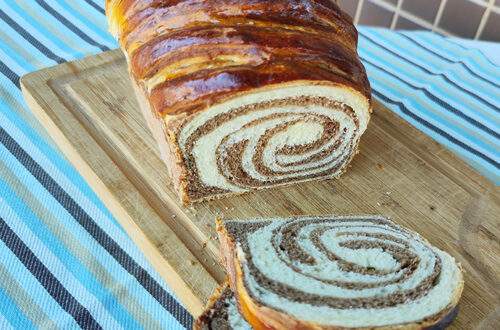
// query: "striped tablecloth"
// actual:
[[65, 262]]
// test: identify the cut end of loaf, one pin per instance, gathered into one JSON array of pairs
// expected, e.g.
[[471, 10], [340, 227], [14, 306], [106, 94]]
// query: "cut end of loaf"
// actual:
[[269, 137], [339, 272]]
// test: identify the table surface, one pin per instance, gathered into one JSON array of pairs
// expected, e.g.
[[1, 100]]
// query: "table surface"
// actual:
[[64, 260]]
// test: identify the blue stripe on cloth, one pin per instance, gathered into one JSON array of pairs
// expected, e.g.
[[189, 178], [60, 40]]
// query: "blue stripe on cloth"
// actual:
[[76, 186], [81, 234], [439, 131], [4, 323], [10, 313], [54, 31], [480, 91], [50, 246], [434, 52], [446, 112], [86, 18], [433, 94], [66, 286], [46, 278], [456, 52], [95, 6], [102, 220], [426, 103], [31, 285], [72, 175], [40, 31], [449, 77], [72, 27], [14, 61], [473, 53], [83, 218], [86, 239], [438, 134], [9, 74], [48, 157], [22, 32], [58, 167]]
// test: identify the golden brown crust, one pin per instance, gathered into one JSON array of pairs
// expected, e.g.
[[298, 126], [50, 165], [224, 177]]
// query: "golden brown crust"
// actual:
[[188, 54], [265, 318]]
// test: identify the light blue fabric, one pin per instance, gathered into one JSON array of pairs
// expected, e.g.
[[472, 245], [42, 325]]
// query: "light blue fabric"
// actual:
[[68, 265], [448, 92], [56, 233]]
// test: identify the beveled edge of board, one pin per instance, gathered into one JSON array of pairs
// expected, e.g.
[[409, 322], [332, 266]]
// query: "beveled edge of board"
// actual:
[[169, 209]]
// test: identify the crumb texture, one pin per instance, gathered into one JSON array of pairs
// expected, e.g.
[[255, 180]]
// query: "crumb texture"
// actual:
[[346, 272], [271, 138]]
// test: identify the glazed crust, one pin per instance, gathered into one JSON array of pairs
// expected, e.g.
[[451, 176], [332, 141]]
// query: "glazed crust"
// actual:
[[189, 54], [265, 318]]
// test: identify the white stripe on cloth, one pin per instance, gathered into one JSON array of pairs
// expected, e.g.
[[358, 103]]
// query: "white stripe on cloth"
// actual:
[[57, 268], [109, 262], [38, 293], [107, 224], [4, 324]]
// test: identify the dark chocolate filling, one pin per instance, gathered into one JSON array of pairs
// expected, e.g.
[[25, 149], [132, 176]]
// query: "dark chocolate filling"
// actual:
[[287, 245], [409, 261], [294, 252], [229, 162], [236, 174]]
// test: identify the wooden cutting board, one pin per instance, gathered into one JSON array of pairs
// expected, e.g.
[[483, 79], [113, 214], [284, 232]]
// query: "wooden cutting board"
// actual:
[[89, 110]]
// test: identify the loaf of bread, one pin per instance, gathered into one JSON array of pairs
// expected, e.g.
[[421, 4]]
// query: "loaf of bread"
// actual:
[[245, 94], [337, 273], [221, 312]]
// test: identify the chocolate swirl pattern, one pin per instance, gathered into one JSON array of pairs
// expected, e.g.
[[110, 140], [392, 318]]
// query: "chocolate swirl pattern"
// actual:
[[241, 145], [350, 272], [245, 94]]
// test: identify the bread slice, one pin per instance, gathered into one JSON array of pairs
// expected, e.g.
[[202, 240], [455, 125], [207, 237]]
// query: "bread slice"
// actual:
[[221, 312], [362, 272]]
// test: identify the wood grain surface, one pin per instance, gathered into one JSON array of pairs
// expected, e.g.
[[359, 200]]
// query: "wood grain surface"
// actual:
[[89, 110]]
